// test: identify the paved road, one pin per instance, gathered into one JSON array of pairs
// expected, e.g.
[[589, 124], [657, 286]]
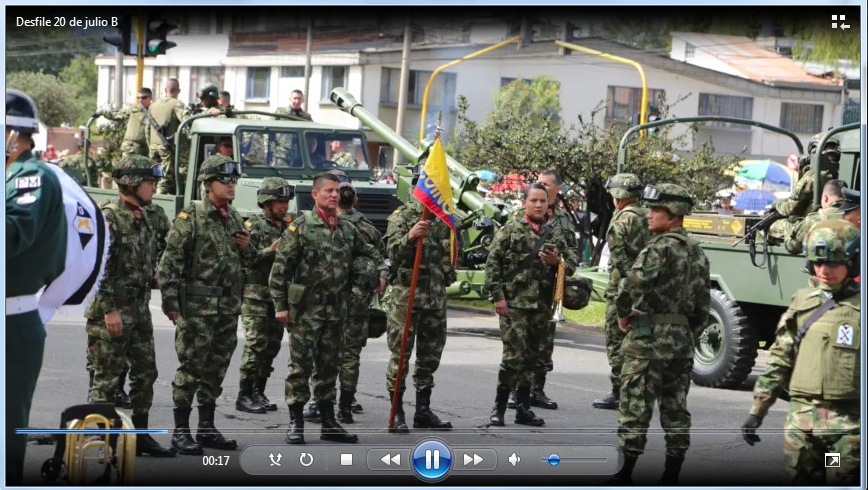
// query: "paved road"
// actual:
[[464, 394]]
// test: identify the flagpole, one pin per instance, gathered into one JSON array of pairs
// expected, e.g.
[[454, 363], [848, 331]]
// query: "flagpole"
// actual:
[[408, 318]]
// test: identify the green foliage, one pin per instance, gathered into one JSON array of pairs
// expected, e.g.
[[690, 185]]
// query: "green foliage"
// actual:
[[653, 32], [55, 100], [46, 49], [817, 41], [540, 98], [111, 131], [82, 74]]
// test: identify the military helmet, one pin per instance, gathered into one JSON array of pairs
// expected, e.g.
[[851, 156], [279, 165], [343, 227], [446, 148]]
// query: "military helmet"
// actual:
[[833, 241], [670, 196], [274, 188], [341, 175], [21, 112], [219, 167], [135, 169], [833, 144], [623, 186], [208, 91]]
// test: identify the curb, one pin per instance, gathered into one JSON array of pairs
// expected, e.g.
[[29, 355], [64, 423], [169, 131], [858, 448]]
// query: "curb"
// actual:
[[485, 312]]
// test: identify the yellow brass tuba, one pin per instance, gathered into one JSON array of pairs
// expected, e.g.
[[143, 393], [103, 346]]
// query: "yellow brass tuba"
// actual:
[[75, 454]]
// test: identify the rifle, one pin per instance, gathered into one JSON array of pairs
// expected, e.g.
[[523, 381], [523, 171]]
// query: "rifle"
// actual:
[[750, 235]]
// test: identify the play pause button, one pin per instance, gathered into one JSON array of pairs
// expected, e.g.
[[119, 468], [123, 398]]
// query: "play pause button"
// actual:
[[475, 459]]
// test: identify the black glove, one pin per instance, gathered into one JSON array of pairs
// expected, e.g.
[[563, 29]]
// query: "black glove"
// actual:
[[748, 429]]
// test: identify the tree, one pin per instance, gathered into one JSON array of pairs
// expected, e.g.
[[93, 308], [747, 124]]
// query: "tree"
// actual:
[[55, 100], [82, 74], [46, 49]]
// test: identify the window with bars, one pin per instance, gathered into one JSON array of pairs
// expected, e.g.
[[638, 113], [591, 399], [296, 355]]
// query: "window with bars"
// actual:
[[161, 74], [332, 78], [689, 50], [441, 97], [802, 118], [200, 75], [623, 103], [726, 106], [258, 83], [291, 72]]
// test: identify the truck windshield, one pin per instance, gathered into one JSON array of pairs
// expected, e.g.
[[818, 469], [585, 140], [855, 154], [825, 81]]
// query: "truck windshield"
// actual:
[[336, 150], [271, 149]]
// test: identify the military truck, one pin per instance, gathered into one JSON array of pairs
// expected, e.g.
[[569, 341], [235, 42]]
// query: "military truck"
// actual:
[[269, 145], [748, 294]]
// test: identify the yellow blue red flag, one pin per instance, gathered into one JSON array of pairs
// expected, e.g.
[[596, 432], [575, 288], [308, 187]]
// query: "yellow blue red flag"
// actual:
[[434, 190]]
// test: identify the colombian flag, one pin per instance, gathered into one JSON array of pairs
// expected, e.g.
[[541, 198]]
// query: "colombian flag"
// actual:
[[434, 191]]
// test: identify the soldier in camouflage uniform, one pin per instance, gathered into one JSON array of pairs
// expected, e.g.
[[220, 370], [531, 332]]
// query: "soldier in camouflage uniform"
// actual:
[[296, 102], [428, 328], [167, 114], [262, 331], [340, 155], [119, 327], [208, 95], [817, 359], [830, 203], [308, 284], [201, 281], [662, 307], [795, 207], [520, 273], [135, 141], [626, 237]]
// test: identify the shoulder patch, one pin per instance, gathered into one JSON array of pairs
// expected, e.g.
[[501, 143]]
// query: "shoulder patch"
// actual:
[[248, 224], [183, 215], [292, 228], [33, 182], [26, 199]]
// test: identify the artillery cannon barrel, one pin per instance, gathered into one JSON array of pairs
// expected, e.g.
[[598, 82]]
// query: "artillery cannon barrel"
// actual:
[[463, 181]]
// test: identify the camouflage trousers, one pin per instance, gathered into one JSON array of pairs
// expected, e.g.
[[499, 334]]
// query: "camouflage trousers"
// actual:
[[523, 333], [427, 333], [644, 382], [204, 345], [814, 428], [262, 335], [355, 339], [166, 158], [614, 339], [109, 358], [133, 148], [546, 349], [314, 352]]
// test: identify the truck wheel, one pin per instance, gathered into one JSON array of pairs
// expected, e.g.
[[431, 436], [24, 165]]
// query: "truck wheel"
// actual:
[[727, 347]]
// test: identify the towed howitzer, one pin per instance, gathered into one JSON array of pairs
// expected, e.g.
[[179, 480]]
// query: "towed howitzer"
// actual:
[[476, 218]]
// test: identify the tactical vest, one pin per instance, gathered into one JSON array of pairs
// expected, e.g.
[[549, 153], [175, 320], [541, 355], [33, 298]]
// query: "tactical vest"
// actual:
[[828, 363], [614, 273]]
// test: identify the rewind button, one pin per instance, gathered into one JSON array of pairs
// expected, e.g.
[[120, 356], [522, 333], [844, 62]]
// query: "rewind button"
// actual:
[[388, 459]]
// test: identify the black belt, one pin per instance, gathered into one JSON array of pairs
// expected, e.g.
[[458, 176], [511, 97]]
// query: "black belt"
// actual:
[[130, 291], [330, 299], [197, 290], [256, 278]]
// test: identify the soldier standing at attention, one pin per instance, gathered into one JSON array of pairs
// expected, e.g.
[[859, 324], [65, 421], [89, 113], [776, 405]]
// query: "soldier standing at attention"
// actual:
[[626, 237], [35, 256], [308, 284], [428, 328], [201, 281], [816, 357], [262, 331], [119, 327], [166, 116], [662, 307], [522, 290]]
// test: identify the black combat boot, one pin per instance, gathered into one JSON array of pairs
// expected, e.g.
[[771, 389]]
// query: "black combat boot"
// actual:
[[331, 430], [245, 401], [498, 413], [207, 434], [311, 413], [609, 402], [538, 396], [345, 407], [511, 402], [145, 444], [424, 418], [357, 407], [122, 400], [624, 476], [182, 441], [400, 426], [90, 375], [259, 393], [523, 414], [295, 434], [671, 470]]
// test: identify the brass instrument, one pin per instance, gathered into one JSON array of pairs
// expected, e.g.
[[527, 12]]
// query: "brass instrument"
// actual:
[[75, 454]]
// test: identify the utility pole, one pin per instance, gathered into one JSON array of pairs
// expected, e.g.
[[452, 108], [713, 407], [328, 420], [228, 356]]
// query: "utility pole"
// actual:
[[119, 78], [404, 83], [308, 51]]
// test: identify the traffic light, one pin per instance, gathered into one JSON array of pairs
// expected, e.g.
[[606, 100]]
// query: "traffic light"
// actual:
[[156, 30], [124, 40]]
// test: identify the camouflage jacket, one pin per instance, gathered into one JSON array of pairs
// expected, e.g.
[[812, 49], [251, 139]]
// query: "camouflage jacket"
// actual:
[[344, 159], [300, 113], [506, 275], [829, 361], [311, 255], [435, 270], [159, 222], [800, 200], [364, 270], [795, 242], [669, 281], [135, 142], [126, 286], [627, 235], [257, 265], [168, 113], [201, 266]]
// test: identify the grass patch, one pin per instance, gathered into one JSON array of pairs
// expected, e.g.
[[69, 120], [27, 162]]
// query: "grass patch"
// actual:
[[594, 314]]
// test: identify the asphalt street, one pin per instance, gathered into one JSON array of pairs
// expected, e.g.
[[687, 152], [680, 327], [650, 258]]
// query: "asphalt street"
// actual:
[[464, 395]]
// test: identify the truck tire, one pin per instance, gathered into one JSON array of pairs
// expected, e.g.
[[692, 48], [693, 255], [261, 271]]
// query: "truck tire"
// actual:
[[727, 347]]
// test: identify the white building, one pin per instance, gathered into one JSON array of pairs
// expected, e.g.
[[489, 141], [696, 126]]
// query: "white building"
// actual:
[[707, 76]]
